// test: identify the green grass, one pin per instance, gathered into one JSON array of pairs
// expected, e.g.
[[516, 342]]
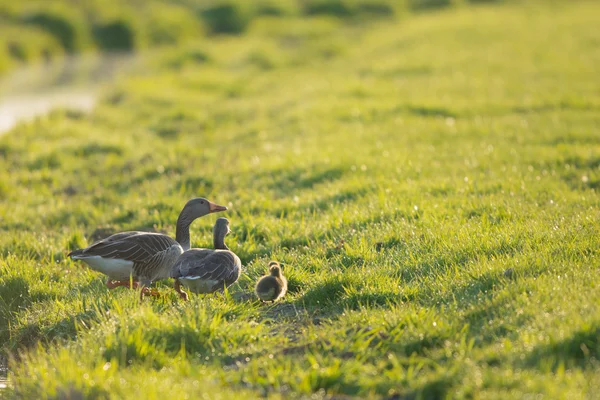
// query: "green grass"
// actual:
[[397, 169], [40, 30]]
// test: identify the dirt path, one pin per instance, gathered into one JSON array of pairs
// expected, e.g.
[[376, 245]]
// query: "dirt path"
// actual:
[[72, 82], [3, 373]]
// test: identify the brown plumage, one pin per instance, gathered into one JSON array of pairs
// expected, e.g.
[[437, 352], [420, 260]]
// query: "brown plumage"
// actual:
[[272, 287], [143, 256], [206, 270]]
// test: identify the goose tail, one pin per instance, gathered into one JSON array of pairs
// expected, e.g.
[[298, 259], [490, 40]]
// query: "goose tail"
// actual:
[[75, 253]]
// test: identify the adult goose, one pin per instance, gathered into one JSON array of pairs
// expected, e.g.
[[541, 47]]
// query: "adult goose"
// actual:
[[207, 270], [143, 256], [272, 287]]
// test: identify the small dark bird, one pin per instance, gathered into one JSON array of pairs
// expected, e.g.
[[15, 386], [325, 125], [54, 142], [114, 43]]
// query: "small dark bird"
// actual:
[[272, 287], [509, 273]]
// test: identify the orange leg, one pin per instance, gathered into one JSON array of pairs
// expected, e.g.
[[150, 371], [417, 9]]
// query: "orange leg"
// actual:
[[182, 294]]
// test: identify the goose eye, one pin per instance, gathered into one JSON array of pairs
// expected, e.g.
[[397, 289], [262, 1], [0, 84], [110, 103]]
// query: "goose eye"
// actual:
[[202, 202]]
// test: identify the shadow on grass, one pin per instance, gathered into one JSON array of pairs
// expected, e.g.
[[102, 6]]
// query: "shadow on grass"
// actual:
[[583, 163], [424, 111], [15, 336], [440, 263], [575, 351], [416, 110], [325, 203], [357, 225], [341, 292], [434, 389], [33, 333], [549, 107], [400, 72], [568, 139], [581, 174], [488, 316], [98, 149], [261, 236], [286, 181], [15, 294], [327, 293], [479, 322]]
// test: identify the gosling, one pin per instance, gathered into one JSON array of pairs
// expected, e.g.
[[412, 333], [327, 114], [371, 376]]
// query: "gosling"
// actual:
[[272, 287]]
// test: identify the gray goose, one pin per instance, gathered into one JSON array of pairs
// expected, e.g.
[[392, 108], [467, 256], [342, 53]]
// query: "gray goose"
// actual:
[[143, 256], [206, 270], [272, 287]]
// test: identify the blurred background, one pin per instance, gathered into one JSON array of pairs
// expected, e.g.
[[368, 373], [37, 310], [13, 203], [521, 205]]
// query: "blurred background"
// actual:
[[43, 30], [59, 53]]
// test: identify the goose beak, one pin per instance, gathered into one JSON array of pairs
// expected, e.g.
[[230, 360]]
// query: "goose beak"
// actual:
[[215, 207]]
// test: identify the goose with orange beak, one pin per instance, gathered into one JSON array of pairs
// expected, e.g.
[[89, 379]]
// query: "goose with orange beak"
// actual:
[[136, 258]]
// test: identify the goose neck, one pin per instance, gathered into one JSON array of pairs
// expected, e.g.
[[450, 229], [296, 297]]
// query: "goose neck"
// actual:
[[219, 242], [182, 233]]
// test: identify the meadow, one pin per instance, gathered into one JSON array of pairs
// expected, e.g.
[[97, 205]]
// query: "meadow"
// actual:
[[430, 183], [40, 30]]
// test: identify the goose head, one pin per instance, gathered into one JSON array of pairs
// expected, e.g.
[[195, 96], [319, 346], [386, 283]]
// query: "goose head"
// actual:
[[220, 230], [221, 227], [199, 207], [275, 269], [195, 208]]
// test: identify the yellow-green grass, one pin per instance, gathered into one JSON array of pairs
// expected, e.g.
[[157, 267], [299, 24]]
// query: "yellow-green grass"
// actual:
[[40, 30], [396, 169]]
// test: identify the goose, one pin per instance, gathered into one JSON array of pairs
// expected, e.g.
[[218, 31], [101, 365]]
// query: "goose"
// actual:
[[143, 256], [205, 270], [272, 287]]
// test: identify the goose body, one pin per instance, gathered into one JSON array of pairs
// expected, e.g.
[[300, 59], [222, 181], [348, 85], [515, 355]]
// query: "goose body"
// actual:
[[272, 287], [205, 270], [143, 256]]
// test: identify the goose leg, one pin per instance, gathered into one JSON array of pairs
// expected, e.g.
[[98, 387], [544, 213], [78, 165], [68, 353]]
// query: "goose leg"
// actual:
[[146, 289], [178, 289]]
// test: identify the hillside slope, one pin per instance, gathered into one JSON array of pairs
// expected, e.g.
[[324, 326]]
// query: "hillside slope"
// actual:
[[398, 169]]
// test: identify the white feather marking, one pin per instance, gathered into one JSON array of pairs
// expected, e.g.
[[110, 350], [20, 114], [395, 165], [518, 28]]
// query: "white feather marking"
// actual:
[[115, 268]]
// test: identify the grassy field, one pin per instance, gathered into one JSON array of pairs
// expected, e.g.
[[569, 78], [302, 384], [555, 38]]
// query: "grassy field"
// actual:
[[398, 168], [37, 30]]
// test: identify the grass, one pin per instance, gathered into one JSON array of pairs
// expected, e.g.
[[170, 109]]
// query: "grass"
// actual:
[[397, 169], [40, 31]]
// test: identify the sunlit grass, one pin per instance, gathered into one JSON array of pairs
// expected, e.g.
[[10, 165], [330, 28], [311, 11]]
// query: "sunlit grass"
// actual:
[[397, 169]]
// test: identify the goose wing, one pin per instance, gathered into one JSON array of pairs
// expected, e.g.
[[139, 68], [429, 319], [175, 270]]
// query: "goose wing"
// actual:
[[137, 247], [189, 260]]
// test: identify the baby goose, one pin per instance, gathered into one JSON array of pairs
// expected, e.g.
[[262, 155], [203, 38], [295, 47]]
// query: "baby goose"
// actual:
[[272, 287]]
